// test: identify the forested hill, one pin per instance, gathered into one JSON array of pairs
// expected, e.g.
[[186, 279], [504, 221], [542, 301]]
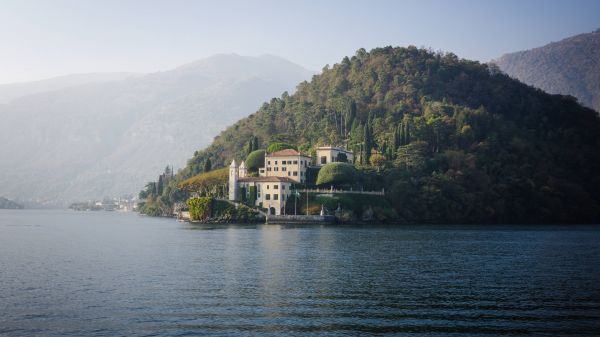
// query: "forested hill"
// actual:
[[569, 67], [462, 141]]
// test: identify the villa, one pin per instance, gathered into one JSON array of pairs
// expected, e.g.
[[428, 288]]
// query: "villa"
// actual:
[[272, 188], [330, 154]]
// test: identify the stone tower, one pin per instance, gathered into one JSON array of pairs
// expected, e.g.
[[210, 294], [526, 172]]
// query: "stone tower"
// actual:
[[243, 171], [233, 181]]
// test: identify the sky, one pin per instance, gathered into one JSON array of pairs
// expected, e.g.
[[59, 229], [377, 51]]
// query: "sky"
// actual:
[[42, 39]]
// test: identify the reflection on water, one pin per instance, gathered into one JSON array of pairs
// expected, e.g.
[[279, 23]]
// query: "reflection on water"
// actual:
[[97, 274]]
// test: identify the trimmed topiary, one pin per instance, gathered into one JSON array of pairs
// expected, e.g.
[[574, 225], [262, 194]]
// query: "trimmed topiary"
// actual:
[[274, 147], [337, 174], [255, 160]]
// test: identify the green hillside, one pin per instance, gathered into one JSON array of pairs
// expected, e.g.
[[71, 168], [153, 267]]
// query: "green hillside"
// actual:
[[460, 142]]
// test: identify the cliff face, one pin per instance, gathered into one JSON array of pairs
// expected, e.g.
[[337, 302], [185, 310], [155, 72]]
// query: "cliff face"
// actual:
[[568, 67]]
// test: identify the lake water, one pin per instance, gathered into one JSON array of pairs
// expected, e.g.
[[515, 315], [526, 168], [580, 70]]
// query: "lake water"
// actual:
[[65, 273]]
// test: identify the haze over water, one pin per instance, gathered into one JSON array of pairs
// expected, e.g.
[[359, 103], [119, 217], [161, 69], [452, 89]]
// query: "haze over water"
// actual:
[[112, 274]]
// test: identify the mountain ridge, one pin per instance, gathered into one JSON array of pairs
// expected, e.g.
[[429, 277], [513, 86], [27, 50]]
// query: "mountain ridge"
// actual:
[[104, 139], [570, 66]]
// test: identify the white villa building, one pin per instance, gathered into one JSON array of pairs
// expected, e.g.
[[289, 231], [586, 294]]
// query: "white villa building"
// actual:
[[329, 154], [273, 186]]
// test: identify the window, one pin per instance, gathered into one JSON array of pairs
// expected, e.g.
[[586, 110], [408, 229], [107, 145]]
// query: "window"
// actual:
[[275, 187], [295, 162], [284, 168], [275, 196], [267, 186], [276, 169], [267, 197], [289, 162], [323, 160], [268, 162], [283, 187], [295, 173], [276, 162], [289, 173]]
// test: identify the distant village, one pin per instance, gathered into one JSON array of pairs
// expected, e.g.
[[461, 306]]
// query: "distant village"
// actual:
[[122, 204]]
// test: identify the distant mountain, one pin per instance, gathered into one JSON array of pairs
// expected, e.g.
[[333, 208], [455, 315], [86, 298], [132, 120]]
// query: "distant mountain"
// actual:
[[9, 204], [104, 139], [9, 92], [569, 67]]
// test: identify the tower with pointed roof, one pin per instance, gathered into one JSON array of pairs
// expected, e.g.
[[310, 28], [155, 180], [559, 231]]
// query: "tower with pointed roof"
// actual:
[[243, 171], [233, 181]]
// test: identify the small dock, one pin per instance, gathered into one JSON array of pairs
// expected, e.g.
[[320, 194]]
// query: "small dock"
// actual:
[[299, 219]]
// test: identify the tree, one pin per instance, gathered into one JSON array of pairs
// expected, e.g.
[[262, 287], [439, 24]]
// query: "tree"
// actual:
[[341, 157], [368, 143], [254, 143], [207, 165], [159, 185], [377, 160]]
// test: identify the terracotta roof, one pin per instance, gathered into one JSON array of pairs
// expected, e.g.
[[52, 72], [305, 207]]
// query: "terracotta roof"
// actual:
[[285, 153], [267, 180]]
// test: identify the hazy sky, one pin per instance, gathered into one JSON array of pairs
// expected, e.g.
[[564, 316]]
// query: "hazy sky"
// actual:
[[45, 38]]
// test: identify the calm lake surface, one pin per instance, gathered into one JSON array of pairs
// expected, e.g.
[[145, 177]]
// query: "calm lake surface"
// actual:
[[66, 273]]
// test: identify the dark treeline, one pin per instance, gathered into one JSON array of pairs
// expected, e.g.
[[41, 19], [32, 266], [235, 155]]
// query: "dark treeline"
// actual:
[[451, 140]]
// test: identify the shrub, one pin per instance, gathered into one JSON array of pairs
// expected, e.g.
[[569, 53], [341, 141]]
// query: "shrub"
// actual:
[[151, 209], [255, 160], [337, 173], [200, 207], [274, 147]]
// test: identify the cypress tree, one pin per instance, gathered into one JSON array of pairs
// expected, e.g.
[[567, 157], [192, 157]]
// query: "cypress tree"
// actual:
[[207, 165], [159, 187], [368, 143], [249, 146], [254, 143], [400, 134]]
